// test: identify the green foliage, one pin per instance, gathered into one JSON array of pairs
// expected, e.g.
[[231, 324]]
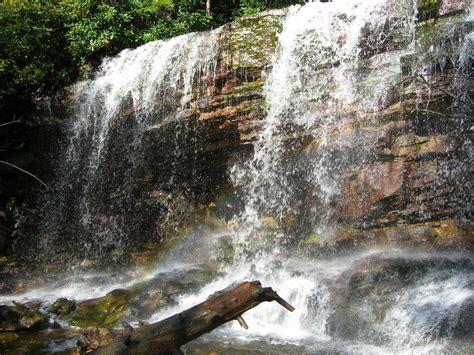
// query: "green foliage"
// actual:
[[32, 56], [105, 27], [11, 205], [248, 7], [189, 16]]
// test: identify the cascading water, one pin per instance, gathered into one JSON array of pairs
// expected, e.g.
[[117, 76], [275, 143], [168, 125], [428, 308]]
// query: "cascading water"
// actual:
[[141, 88], [337, 67], [332, 69], [321, 81]]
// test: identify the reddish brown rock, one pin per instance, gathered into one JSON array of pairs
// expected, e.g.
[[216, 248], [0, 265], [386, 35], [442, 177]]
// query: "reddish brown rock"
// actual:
[[374, 183]]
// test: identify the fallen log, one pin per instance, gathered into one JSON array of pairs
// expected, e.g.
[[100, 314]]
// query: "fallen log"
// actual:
[[168, 335]]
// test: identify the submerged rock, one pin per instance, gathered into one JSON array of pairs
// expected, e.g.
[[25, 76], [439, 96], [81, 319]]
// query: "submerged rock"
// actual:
[[57, 341], [94, 338], [465, 325]]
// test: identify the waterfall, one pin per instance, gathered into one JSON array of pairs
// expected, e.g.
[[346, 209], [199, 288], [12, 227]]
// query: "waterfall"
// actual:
[[338, 69], [328, 74], [137, 90]]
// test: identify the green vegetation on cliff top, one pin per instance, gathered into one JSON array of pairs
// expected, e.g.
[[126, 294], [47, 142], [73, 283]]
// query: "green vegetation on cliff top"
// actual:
[[44, 43]]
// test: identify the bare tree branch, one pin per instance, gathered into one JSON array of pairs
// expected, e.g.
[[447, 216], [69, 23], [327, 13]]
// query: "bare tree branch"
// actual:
[[456, 98], [443, 114], [13, 121], [24, 171]]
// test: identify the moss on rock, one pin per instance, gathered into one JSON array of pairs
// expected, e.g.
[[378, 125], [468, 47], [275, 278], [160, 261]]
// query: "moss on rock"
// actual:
[[19, 317], [251, 86], [100, 312], [62, 307], [253, 39], [428, 9], [313, 238]]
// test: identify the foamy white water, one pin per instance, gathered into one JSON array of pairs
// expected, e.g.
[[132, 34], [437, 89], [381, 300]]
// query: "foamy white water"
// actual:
[[418, 317]]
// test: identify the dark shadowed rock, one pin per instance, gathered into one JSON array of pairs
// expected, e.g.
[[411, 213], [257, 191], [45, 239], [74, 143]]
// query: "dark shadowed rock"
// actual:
[[465, 325], [19, 317]]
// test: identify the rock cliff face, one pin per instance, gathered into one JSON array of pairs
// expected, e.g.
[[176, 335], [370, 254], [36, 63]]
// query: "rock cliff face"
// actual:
[[406, 170], [413, 185]]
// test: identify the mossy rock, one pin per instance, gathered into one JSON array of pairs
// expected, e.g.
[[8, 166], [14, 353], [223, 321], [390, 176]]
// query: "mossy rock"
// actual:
[[254, 39], [444, 31], [428, 9], [40, 342], [313, 238], [251, 86], [62, 307], [269, 222], [437, 41], [225, 250], [19, 317], [101, 312]]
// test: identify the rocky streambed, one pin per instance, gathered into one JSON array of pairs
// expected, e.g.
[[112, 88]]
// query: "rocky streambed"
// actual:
[[363, 301], [38, 320]]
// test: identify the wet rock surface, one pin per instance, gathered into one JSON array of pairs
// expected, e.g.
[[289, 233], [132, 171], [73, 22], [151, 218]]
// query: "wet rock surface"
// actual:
[[62, 306], [369, 295], [57, 341], [19, 317], [403, 179], [95, 337], [104, 311], [50, 327], [413, 166]]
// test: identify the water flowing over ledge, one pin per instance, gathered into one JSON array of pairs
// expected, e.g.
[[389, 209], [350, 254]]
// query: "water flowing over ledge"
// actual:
[[323, 149]]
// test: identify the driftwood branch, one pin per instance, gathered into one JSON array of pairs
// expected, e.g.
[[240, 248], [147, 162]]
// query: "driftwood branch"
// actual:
[[166, 336]]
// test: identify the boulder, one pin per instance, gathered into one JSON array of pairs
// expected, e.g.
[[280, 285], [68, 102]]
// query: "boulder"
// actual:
[[62, 307], [96, 337], [465, 324], [19, 317], [103, 311]]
